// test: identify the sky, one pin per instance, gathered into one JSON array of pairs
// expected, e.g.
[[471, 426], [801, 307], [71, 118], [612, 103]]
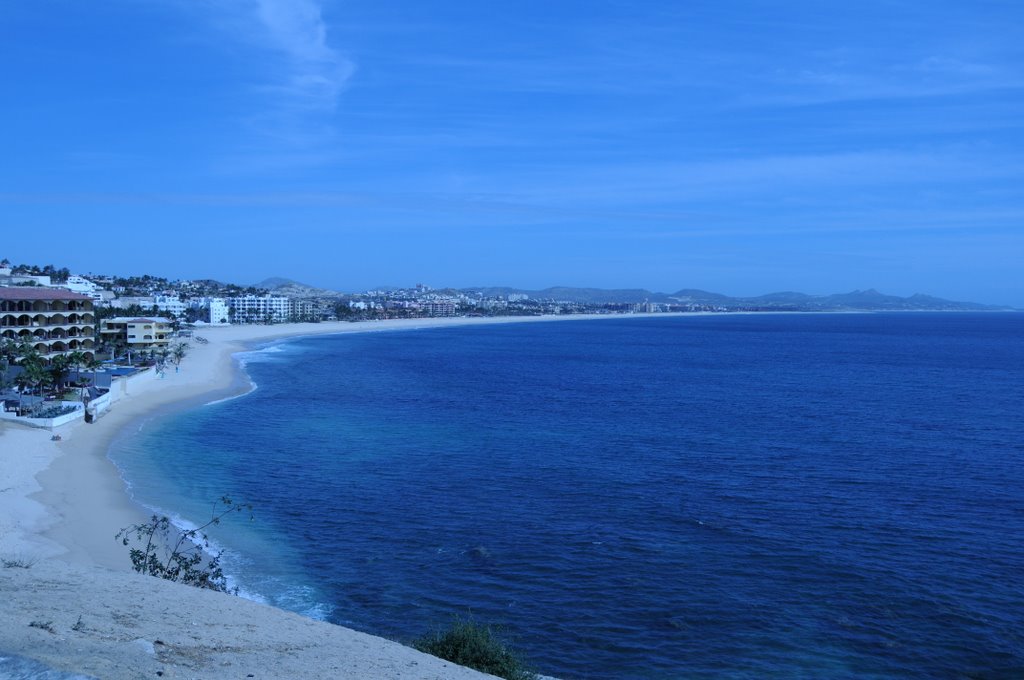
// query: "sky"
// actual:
[[737, 146]]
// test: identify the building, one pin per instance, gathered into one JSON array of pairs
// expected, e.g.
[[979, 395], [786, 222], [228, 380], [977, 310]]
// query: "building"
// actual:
[[138, 333], [144, 301], [439, 308], [78, 284], [53, 320], [220, 313], [8, 278], [260, 309], [216, 307], [171, 304], [306, 310]]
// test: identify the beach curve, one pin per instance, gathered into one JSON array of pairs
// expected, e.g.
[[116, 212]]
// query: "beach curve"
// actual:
[[61, 502]]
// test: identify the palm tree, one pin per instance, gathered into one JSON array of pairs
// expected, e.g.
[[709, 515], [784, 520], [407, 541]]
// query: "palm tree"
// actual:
[[60, 366], [33, 374], [179, 350], [8, 350], [121, 347], [8, 355], [76, 360], [27, 352], [92, 365], [4, 367]]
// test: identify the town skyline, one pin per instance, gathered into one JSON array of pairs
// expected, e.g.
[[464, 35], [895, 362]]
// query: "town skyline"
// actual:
[[283, 299]]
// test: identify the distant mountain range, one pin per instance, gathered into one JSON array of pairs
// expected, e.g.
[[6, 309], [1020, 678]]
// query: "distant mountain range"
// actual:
[[294, 289], [858, 300]]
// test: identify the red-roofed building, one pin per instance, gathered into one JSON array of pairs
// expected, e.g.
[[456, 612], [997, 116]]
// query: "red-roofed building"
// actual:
[[53, 320]]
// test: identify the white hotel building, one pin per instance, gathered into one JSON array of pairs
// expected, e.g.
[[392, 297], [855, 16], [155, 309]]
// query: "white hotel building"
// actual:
[[220, 312], [259, 309], [170, 303]]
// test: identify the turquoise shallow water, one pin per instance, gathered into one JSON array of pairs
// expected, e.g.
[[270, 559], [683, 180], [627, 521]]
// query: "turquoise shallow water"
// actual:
[[723, 496]]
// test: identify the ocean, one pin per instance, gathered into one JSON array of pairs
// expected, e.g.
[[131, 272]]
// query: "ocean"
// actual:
[[718, 496]]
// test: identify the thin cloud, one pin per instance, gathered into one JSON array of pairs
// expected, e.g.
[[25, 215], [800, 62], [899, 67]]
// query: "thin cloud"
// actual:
[[305, 74], [317, 73], [846, 80], [771, 177]]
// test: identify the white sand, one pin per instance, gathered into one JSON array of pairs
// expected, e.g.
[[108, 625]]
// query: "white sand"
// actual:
[[114, 625], [61, 504]]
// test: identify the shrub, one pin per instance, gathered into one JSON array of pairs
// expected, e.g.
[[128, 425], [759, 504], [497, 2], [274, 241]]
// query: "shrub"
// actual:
[[55, 411], [44, 625], [18, 562], [180, 555], [470, 644]]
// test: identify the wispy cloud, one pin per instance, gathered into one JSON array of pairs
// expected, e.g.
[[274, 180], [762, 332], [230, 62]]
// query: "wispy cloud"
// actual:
[[316, 73], [302, 74], [772, 178], [843, 77]]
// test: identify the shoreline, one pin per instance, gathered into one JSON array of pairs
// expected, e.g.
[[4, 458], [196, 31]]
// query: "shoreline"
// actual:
[[66, 499], [62, 502], [80, 608]]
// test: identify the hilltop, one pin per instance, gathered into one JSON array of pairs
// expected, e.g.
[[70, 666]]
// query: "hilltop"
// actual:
[[857, 300]]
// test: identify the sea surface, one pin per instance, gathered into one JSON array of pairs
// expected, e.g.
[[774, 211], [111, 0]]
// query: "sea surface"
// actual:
[[750, 496]]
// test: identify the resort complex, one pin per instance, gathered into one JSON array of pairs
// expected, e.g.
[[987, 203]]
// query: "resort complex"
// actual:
[[52, 321]]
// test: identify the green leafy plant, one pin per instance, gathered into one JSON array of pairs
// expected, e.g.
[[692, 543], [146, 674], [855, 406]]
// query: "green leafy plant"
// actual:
[[475, 646], [182, 555]]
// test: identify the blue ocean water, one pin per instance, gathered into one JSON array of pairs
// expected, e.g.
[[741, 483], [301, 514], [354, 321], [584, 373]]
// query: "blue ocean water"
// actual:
[[815, 496]]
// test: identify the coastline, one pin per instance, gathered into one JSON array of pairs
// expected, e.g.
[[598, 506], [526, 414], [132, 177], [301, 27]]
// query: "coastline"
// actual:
[[66, 499], [62, 502]]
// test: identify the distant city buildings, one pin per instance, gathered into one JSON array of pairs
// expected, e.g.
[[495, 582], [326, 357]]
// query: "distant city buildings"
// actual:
[[126, 301], [11, 278], [171, 304], [206, 301]]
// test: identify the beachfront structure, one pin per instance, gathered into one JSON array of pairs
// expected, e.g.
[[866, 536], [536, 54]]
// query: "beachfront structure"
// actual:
[[439, 308], [220, 313], [52, 320], [260, 309], [138, 333], [171, 304]]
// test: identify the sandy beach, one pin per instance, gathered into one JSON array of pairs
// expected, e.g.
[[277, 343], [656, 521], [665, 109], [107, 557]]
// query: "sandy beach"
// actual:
[[62, 502]]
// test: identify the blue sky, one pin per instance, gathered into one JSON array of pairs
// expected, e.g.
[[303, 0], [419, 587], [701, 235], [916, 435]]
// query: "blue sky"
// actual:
[[741, 147]]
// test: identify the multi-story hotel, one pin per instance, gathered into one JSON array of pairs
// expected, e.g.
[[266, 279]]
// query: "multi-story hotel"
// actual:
[[220, 312], [260, 309], [53, 320], [138, 333]]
